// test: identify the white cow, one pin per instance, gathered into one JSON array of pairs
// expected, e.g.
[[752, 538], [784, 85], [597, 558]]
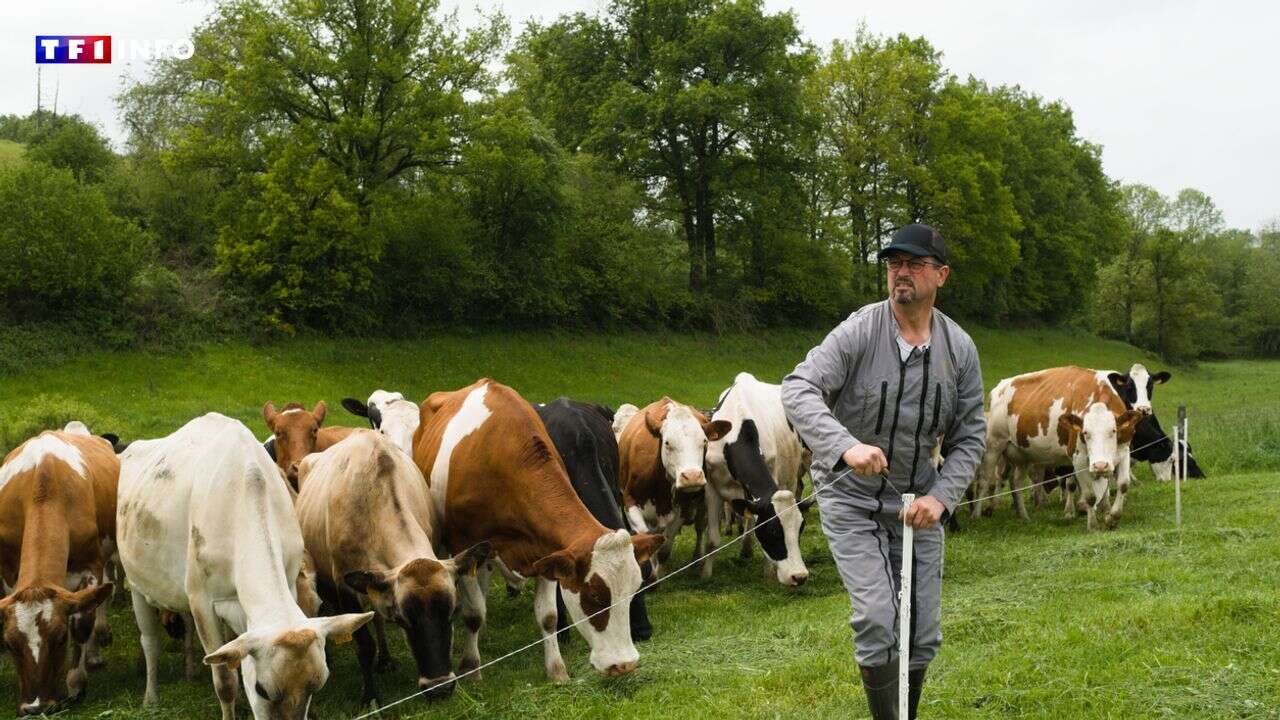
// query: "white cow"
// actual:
[[757, 467], [207, 528], [621, 417]]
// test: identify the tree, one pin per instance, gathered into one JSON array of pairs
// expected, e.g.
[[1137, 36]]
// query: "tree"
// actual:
[[76, 145], [676, 93]]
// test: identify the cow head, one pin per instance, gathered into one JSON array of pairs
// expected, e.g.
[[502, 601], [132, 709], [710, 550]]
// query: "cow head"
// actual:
[[779, 521], [37, 622], [420, 597], [1137, 387], [390, 414], [285, 667], [593, 577], [293, 434], [683, 434], [1098, 435]]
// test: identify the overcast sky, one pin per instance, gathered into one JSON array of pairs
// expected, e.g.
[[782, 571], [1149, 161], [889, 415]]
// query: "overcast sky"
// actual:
[[1181, 93]]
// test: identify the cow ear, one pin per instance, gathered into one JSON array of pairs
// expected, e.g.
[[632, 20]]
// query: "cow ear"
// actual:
[[1161, 377], [1126, 424], [270, 447], [366, 581], [88, 599], [111, 438], [355, 407], [340, 628], [1119, 381], [467, 560], [559, 566], [269, 414], [1070, 423], [231, 653], [645, 545], [716, 429], [319, 412], [656, 414]]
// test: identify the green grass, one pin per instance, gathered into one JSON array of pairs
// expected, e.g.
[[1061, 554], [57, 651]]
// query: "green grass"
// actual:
[[10, 152], [1041, 619]]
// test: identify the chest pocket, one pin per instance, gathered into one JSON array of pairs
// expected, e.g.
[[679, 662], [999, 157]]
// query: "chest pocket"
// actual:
[[943, 405]]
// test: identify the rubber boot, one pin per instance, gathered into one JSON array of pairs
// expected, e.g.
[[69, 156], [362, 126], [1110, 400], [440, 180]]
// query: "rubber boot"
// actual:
[[916, 684], [881, 686]]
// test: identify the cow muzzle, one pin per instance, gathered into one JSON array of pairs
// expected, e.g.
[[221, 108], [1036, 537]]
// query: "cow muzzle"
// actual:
[[690, 480], [437, 687], [620, 669], [1101, 467]]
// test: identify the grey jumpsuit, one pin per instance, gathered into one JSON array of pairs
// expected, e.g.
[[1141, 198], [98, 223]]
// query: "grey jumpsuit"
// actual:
[[854, 387]]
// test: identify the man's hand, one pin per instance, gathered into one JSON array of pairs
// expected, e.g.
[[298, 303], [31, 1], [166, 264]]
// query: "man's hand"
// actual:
[[865, 459], [925, 512]]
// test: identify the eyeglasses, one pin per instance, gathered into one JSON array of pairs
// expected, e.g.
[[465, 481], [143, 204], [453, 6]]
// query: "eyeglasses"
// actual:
[[915, 264]]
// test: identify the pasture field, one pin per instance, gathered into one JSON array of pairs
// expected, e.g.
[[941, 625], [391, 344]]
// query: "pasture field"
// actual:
[[1041, 619]]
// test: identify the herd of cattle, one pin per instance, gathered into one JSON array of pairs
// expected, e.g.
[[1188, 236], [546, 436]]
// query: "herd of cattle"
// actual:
[[264, 551]]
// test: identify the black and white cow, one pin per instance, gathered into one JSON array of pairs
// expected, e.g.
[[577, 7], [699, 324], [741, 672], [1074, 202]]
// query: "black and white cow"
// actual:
[[757, 468], [390, 414], [583, 435], [1137, 386], [1152, 445]]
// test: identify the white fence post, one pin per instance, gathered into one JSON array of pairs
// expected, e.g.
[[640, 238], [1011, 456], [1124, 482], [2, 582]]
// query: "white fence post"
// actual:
[[904, 610], [1180, 464]]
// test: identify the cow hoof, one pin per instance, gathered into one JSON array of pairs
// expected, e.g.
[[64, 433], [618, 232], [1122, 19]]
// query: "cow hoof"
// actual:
[[556, 673], [1112, 522]]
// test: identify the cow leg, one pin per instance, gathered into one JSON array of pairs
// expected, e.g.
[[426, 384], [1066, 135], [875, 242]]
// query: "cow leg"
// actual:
[[714, 506], [670, 532], [473, 615], [1069, 511], [748, 536], [1019, 481], [190, 661], [985, 480], [1040, 496], [385, 662], [544, 611], [150, 634], [636, 516], [1090, 496], [366, 649], [226, 682], [1123, 478], [514, 580], [78, 676]]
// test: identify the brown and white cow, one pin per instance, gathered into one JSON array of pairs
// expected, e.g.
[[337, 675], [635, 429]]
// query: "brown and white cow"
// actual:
[[1067, 415], [296, 433], [495, 475], [57, 511], [662, 451], [370, 526]]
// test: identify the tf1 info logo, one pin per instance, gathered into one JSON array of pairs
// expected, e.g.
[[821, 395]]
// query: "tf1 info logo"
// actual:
[[96, 49]]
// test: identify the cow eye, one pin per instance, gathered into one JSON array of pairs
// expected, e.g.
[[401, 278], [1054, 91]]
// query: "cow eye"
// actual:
[[262, 692]]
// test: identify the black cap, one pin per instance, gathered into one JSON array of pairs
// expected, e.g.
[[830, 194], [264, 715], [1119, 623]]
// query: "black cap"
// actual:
[[917, 239]]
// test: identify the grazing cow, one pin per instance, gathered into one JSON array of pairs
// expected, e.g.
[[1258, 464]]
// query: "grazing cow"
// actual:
[[1150, 444], [390, 414], [207, 530], [584, 438], [494, 474], [662, 450], [295, 433], [57, 520], [1137, 386], [369, 524], [1056, 416], [757, 467]]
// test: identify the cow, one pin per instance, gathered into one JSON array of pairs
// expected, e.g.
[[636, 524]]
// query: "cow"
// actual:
[[1056, 416], [583, 436], [621, 417], [495, 474], [1137, 386], [390, 414], [757, 467], [662, 450], [295, 433], [1150, 444], [57, 521], [371, 529], [208, 530]]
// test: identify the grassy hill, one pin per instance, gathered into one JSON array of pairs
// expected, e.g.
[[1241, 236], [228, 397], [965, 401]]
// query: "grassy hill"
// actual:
[[1041, 619]]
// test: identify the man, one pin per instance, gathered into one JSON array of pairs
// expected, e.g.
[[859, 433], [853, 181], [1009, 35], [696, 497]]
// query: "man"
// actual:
[[871, 402]]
